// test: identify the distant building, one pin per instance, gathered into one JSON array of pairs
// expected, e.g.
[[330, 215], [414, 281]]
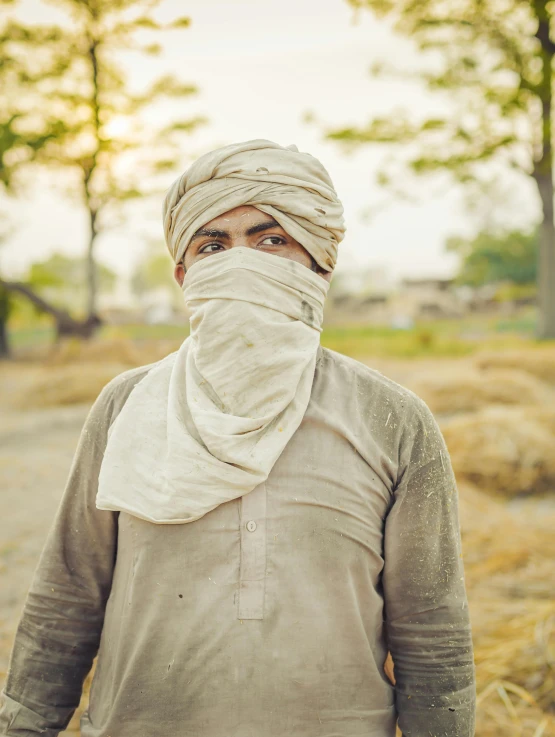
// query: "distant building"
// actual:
[[429, 297], [371, 296]]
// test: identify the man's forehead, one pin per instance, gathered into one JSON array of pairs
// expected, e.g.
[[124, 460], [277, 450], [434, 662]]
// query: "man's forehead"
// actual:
[[239, 217]]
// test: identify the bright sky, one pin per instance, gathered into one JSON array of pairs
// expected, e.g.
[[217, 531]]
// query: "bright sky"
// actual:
[[260, 65]]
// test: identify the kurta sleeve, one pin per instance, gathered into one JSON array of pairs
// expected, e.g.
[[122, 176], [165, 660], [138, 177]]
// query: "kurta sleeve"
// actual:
[[426, 608], [59, 631]]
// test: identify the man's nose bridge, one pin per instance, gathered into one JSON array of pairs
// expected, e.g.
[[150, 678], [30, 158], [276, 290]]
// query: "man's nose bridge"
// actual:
[[240, 243]]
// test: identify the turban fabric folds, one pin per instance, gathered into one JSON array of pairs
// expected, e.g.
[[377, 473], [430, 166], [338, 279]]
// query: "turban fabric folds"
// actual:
[[292, 187]]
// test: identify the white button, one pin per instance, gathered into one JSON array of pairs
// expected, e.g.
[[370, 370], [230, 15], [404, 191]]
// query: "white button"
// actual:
[[251, 525]]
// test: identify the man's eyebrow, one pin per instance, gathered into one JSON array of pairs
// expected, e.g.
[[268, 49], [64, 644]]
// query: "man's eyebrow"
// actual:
[[211, 233], [267, 225]]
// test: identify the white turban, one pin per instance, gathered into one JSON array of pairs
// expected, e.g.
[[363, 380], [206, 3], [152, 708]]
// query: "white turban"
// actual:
[[292, 187]]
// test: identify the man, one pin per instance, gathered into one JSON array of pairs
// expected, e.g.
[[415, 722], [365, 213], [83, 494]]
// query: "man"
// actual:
[[252, 523]]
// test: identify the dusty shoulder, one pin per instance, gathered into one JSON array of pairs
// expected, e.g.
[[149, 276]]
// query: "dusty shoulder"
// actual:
[[373, 386]]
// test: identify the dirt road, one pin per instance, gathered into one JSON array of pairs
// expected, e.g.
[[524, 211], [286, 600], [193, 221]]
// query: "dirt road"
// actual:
[[36, 450]]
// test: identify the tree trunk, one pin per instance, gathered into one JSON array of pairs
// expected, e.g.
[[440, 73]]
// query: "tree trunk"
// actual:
[[546, 261], [89, 175], [4, 344], [91, 269], [543, 174], [4, 313], [65, 324]]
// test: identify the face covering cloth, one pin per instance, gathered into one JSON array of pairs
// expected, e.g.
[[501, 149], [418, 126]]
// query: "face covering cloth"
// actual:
[[290, 186], [207, 424]]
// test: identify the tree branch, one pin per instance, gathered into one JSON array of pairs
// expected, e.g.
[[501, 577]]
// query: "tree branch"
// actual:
[[65, 324]]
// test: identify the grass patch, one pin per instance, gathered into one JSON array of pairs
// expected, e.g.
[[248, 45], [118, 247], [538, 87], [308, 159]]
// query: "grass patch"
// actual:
[[376, 341], [145, 332], [442, 338]]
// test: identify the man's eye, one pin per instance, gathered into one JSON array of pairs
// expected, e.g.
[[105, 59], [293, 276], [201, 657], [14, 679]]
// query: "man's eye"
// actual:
[[273, 240], [207, 246]]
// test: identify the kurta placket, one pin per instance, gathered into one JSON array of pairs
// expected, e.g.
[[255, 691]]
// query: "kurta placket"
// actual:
[[253, 555]]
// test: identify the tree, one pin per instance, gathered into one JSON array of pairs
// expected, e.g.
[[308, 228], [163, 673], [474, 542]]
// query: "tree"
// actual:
[[101, 139], [489, 258], [66, 325], [23, 133], [493, 61]]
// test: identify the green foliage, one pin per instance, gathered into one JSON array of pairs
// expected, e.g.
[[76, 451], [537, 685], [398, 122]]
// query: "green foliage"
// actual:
[[99, 114], [490, 258], [493, 61], [59, 270], [90, 120], [23, 131], [62, 280], [490, 57], [25, 65], [511, 292], [364, 342], [152, 273]]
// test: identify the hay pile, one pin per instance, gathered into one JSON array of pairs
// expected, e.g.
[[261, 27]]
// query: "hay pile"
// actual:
[[75, 351], [538, 362], [504, 450], [509, 557], [76, 371], [497, 414], [65, 385], [471, 389], [118, 351]]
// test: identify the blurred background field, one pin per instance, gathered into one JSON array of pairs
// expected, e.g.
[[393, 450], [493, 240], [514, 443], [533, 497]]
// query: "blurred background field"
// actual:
[[445, 337]]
